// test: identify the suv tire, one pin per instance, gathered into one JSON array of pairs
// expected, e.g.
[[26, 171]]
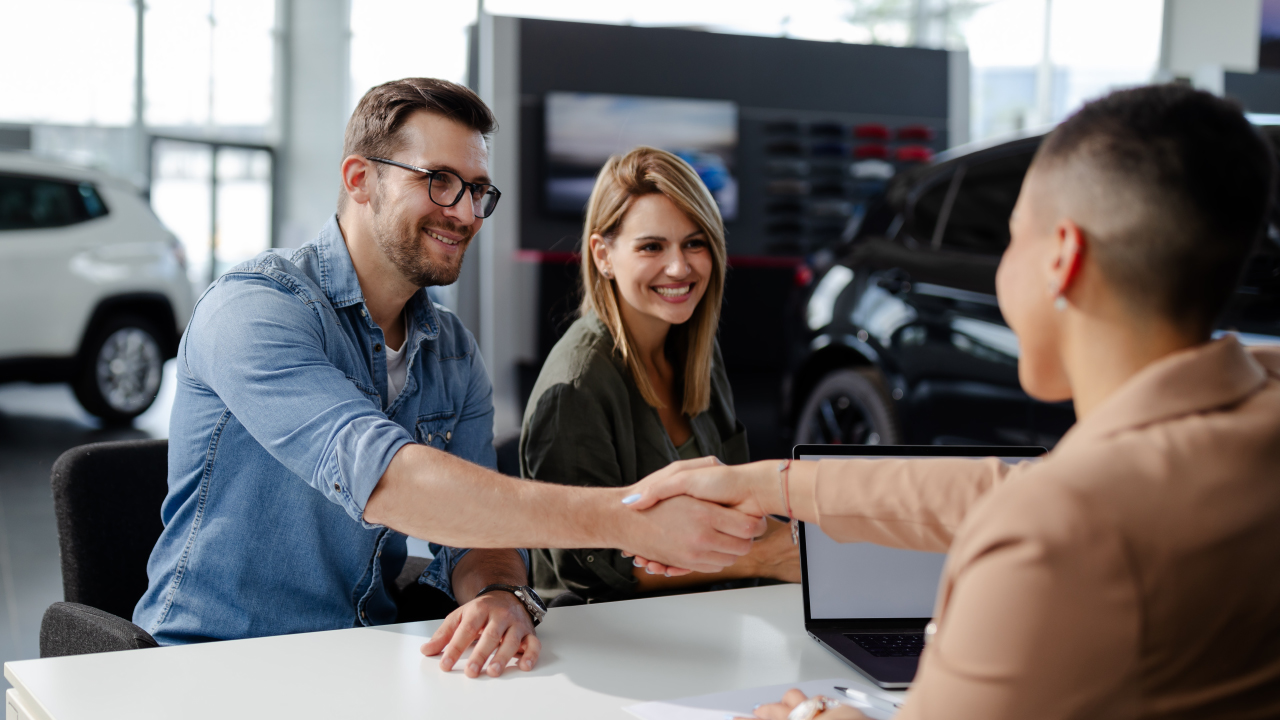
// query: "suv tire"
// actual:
[[848, 407], [120, 372]]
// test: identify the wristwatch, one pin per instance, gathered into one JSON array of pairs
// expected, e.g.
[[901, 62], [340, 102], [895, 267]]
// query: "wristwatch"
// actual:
[[537, 609], [812, 708]]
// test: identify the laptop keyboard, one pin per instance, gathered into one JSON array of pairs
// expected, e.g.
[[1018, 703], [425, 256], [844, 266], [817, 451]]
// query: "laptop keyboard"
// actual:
[[890, 645]]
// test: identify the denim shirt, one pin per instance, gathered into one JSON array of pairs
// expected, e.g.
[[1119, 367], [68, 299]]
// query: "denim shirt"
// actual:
[[279, 434]]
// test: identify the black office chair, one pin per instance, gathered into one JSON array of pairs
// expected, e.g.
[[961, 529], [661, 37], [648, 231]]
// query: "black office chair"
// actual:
[[107, 500]]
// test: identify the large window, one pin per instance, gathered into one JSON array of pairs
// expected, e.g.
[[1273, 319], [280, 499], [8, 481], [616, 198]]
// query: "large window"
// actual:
[[67, 62], [216, 199], [209, 63], [381, 51]]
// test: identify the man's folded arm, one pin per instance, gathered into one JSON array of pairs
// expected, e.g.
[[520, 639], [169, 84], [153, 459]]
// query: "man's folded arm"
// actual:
[[261, 349]]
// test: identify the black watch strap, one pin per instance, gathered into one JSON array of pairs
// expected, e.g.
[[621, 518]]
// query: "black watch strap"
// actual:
[[525, 594]]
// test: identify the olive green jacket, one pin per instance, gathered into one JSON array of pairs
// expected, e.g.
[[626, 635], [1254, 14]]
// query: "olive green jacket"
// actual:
[[587, 424]]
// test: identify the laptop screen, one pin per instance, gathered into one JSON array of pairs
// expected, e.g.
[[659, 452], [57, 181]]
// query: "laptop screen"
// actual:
[[845, 581]]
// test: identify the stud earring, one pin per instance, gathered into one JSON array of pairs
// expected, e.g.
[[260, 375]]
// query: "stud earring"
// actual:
[[1060, 303]]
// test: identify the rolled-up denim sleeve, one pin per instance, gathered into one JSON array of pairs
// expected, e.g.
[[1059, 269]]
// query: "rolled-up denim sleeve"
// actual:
[[259, 345], [474, 442]]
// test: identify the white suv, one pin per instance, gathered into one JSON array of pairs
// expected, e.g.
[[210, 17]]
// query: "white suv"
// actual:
[[93, 288]]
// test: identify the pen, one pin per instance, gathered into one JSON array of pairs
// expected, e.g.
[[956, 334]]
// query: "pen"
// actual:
[[869, 700]]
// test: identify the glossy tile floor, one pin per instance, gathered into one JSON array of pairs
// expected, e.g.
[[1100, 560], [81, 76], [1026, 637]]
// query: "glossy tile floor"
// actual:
[[37, 424]]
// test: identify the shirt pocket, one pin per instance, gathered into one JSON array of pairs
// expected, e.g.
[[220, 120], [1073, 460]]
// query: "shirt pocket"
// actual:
[[436, 429], [372, 394]]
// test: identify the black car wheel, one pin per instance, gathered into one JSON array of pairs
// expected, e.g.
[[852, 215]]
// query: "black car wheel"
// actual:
[[848, 407], [120, 373]]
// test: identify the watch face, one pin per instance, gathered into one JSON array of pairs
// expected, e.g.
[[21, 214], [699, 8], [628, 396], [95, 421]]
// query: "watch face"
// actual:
[[533, 596]]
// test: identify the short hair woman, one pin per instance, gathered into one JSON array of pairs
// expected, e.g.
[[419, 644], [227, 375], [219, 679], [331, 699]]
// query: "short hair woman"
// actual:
[[1130, 573]]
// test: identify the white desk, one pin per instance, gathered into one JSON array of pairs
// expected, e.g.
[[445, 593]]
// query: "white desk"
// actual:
[[596, 659]]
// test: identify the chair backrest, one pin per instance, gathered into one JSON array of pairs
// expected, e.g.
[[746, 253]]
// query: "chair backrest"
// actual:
[[107, 498]]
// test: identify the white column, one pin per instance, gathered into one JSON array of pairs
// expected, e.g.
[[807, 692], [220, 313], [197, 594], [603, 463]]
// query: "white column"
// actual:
[[1202, 37], [141, 151], [1044, 72], [507, 304], [312, 104]]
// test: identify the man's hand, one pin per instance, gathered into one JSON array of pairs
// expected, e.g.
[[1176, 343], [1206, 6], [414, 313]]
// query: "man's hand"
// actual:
[[503, 628], [691, 534], [742, 487], [753, 489], [774, 555]]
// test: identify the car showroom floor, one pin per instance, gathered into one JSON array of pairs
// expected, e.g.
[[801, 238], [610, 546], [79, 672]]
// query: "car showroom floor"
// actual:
[[37, 424]]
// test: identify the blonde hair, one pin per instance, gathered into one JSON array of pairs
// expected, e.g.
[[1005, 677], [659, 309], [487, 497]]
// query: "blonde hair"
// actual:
[[645, 171]]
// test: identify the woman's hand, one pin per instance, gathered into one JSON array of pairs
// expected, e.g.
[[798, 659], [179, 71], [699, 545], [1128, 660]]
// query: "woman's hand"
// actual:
[[780, 710], [753, 488]]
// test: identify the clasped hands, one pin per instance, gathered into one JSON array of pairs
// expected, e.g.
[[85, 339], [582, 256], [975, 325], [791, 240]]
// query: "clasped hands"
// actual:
[[744, 489], [699, 514]]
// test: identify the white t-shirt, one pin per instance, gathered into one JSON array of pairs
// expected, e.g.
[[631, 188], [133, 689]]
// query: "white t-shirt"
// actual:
[[397, 366]]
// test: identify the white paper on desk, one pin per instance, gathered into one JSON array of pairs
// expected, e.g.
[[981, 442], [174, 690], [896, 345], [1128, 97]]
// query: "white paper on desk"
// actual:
[[741, 702]]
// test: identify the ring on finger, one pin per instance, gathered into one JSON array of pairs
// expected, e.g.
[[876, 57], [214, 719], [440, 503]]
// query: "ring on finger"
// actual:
[[812, 708]]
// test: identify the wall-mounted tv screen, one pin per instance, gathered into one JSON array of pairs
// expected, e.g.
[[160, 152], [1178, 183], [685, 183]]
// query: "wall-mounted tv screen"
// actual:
[[584, 129]]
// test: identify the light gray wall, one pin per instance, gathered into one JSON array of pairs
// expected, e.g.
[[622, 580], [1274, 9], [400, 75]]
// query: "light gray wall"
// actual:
[[507, 297], [312, 89], [1203, 35]]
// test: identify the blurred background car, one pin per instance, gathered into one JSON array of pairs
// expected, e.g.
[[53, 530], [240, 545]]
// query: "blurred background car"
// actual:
[[93, 288], [900, 339]]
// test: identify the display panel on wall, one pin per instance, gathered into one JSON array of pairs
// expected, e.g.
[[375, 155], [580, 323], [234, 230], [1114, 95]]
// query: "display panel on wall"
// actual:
[[1269, 44], [584, 129]]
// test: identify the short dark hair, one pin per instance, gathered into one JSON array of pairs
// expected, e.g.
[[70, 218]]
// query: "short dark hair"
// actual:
[[374, 127], [1206, 179]]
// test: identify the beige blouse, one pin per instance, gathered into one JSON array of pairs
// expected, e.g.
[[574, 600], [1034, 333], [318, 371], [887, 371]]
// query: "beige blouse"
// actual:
[[1133, 572]]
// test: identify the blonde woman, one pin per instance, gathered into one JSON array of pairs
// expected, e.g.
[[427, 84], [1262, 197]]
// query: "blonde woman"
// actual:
[[637, 382]]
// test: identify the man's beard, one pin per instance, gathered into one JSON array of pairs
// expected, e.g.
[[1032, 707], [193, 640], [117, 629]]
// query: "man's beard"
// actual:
[[407, 247]]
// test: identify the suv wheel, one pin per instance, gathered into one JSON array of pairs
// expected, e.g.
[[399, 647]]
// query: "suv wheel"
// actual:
[[121, 372], [848, 407]]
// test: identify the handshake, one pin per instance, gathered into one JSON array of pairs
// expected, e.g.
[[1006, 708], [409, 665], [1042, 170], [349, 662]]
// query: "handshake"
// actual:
[[702, 515]]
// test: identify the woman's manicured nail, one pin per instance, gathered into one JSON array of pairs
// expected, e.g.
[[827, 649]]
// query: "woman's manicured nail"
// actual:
[[649, 571], [668, 573], [637, 563], [630, 499]]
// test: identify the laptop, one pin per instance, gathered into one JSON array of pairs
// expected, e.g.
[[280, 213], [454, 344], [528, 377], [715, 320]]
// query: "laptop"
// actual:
[[866, 603]]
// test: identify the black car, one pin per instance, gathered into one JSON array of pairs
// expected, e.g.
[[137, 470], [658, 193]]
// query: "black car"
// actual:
[[900, 339]]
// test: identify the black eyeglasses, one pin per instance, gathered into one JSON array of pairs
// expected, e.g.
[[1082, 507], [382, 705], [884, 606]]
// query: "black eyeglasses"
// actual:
[[445, 188]]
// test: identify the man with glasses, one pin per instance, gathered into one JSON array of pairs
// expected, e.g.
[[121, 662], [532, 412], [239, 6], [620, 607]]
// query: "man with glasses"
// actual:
[[326, 409]]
